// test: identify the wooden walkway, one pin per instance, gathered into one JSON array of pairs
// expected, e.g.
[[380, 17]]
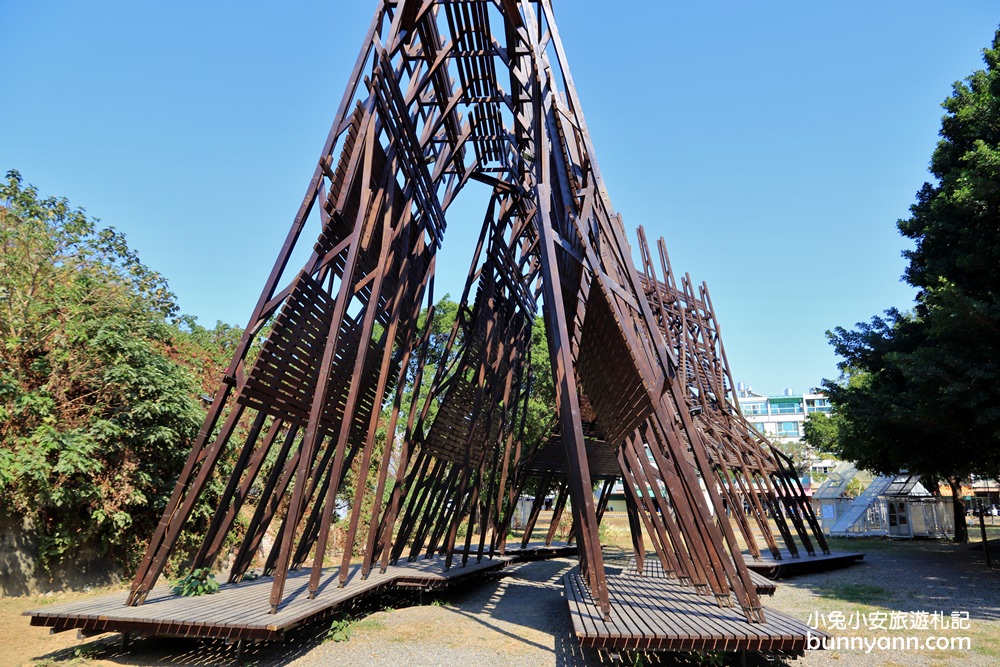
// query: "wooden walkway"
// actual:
[[240, 611], [541, 551], [655, 613], [790, 565], [653, 568]]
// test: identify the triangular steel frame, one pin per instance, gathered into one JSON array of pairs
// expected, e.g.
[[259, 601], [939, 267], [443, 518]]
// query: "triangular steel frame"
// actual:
[[442, 93]]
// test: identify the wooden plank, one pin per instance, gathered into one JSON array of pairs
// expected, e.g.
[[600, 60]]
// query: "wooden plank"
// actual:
[[655, 613], [241, 611]]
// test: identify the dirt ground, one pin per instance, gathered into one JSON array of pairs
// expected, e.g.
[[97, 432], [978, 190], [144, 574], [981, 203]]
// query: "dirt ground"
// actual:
[[521, 619]]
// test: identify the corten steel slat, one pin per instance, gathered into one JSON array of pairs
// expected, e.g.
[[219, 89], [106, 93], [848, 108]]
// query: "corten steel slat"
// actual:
[[569, 411], [445, 489], [749, 496], [411, 292], [310, 528], [557, 512], [436, 511], [544, 484], [635, 528], [169, 529], [449, 530], [313, 433], [453, 502], [724, 478], [417, 476], [801, 502], [401, 480], [491, 333], [766, 503], [516, 352], [499, 543], [267, 504], [696, 523], [704, 322], [271, 561], [357, 389], [163, 541], [206, 555], [654, 514], [688, 550], [686, 556], [493, 514], [428, 472], [475, 508], [639, 508], [778, 514], [252, 470], [684, 548], [788, 501], [496, 367], [734, 568], [371, 308]]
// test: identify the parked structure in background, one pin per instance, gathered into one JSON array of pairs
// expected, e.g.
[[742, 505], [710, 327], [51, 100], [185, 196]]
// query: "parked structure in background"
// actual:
[[837, 492], [984, 493], [890, 506]]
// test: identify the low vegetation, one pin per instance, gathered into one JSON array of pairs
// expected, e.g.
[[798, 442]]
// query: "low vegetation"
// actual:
[[100, 378]]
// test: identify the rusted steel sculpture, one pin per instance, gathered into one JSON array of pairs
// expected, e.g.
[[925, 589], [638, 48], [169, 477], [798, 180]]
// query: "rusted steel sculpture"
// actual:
[[757, 480], [445, 92]]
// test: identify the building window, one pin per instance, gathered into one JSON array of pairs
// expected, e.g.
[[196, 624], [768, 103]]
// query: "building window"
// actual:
[[789, 408], [788, 429], [759, 426], [817, 405], [754, 408]]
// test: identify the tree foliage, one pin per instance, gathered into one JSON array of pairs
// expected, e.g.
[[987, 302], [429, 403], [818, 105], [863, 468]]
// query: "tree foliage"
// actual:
[[920, 390], [821, 431], [95, 415]]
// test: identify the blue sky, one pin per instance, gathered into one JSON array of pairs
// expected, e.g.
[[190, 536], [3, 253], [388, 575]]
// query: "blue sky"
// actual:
[[772, 144]]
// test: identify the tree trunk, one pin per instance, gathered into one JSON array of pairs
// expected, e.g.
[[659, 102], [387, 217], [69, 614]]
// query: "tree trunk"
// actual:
[[958, 506]]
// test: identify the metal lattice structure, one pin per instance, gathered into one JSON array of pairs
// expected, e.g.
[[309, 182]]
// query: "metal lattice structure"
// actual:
[[445, 92]]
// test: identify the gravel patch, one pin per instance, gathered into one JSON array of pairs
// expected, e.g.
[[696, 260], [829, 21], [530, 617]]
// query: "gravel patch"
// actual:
[[519, 619], [908, 577]]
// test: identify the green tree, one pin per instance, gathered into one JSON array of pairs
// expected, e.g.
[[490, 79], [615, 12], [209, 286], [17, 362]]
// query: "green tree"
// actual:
[[921, 389], [542, 397], [800, 452], [821, 432], [95, 418]]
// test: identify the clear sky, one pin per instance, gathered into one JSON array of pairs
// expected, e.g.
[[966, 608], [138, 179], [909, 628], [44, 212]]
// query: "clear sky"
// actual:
[[772, 144]]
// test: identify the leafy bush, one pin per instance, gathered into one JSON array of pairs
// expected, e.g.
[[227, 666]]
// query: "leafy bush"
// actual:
[[96, 413], [340, 631], [198, 582]]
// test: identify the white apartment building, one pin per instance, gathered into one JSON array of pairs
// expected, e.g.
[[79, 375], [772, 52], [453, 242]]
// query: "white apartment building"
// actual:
[[781, 417]]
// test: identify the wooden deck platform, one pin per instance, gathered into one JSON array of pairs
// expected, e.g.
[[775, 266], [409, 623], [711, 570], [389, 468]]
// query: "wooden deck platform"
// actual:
[[653, 568], [790, 566], [541, 551], [654, 613], [240, 611]]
